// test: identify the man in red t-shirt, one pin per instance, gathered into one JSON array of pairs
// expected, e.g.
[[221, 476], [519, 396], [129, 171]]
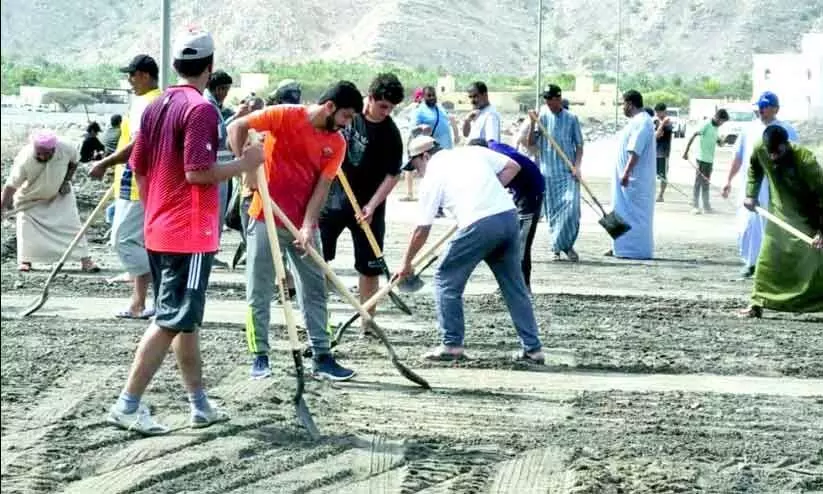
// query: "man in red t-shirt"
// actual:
[[303, 151], [174, 159]]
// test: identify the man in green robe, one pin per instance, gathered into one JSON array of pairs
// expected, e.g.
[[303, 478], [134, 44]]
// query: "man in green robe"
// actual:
[[789, 272]]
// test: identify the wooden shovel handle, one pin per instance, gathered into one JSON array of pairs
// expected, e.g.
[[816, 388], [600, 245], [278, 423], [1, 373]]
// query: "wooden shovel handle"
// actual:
[[357, 211], [568, 163], [782, 224], [420, 259]]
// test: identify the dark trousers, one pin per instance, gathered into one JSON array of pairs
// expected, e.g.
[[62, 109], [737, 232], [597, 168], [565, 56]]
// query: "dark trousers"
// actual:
[[701, 184], [528, 215]]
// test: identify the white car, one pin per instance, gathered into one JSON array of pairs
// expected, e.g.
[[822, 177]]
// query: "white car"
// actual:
[[739, 120], [678, 120]]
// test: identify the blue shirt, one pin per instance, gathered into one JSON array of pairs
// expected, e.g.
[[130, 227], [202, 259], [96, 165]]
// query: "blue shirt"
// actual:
[[438, 120], [528, 184], [565, 129]]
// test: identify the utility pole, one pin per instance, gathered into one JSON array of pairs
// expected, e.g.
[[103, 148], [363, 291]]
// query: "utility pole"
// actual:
[[539, 53], [619, 39], [165, 41]]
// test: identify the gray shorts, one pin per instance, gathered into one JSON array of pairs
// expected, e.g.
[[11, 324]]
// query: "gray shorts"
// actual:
[[180, 282], [127, 236]]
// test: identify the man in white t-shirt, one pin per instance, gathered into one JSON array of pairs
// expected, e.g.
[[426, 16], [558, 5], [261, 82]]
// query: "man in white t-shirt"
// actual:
[[484, 121], [469, 183]]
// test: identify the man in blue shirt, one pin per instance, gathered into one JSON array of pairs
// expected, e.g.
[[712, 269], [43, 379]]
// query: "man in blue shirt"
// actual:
[[434, 119], [527, 189]]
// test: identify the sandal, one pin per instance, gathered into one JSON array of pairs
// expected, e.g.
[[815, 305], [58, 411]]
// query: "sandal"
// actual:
[[572, 255], [609, 253], [89, 267], [751, 312], [444, 353], [538, 357], [127, 314], [24, 267]]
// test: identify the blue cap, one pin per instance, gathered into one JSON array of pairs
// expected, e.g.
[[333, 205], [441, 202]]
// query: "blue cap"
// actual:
[[767, 99]]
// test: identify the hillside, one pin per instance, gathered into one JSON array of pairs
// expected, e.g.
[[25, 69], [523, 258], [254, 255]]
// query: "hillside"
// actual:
[[689, 37]]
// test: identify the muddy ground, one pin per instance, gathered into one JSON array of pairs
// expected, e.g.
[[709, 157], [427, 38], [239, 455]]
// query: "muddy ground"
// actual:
[[652, 385]]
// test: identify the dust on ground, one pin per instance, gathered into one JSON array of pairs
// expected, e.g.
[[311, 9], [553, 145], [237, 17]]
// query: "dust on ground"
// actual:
[[653, 385]]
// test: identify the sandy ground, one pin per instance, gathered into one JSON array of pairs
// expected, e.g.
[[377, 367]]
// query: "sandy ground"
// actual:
[[652, 384]]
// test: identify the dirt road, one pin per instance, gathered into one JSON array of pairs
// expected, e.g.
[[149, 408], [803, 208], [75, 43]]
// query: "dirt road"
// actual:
[[652, 386]]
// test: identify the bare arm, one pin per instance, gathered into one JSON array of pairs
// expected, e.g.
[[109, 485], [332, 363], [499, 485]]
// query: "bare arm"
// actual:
[[467, 127], [7, 198], [689, 145], [122, 155], [70, 171], [633, 159], [216, 174], [383, 191], [509, 171], [417, 241], [315, 205]]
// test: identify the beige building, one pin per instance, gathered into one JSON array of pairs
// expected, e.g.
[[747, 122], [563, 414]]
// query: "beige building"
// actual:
[[796, 78]]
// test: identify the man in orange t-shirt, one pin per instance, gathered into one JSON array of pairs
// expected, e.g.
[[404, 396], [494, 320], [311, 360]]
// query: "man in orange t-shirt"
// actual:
[[303, 151]]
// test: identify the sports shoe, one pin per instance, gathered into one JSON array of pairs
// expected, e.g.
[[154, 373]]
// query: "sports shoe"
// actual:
[[325, 367], [204, 418], [747, 272], [572, 255], [260, 367], [139, 421], [696, 211]]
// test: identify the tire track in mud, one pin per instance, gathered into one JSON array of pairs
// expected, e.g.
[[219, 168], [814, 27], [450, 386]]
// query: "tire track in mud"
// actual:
[[32, 440]]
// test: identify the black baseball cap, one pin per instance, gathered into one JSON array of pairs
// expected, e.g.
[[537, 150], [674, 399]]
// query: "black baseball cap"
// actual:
[[553, 91], [142, 63]]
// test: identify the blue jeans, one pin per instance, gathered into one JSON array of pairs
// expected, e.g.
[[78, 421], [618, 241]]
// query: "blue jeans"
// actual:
[[495, 240]]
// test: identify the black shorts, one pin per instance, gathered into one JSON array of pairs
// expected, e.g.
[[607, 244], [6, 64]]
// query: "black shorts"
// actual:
[[333, 222], [180, 282], [662, 167]]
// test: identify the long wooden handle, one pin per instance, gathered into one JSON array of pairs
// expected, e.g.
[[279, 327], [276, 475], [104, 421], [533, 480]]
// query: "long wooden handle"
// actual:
[[357, 211], [420, 259], [100, 207], [317, 258], [277, 258], [568, 163], [782, 224]]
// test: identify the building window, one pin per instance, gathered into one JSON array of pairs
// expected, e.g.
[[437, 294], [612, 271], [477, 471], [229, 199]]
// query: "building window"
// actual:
[[767, 74]]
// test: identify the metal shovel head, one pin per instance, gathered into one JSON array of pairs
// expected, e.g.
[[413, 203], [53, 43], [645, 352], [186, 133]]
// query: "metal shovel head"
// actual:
[[400, 366], [238, 255], [302, 410], [411, 284], [614, 225], [398, 302]]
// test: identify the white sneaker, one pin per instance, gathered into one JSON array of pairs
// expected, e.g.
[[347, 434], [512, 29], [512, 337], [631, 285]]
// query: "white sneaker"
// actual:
[[201, 419], [697, 211], [139, 421]]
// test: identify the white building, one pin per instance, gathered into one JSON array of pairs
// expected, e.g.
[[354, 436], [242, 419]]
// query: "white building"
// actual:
[[796, 78]]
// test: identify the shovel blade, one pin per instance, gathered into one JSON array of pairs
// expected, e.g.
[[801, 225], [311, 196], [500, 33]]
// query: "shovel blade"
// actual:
[[398, 302], [411, 284], [301, 409], [36, 305], [614, 225], [400, 366], [238, 255]]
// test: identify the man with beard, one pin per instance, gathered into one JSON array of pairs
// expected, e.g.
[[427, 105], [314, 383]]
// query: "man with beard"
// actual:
[[633, 183], [127, 226], [39, 185], [374, 155], [433, 120], [303, 150], [750, 226], [789, 274]]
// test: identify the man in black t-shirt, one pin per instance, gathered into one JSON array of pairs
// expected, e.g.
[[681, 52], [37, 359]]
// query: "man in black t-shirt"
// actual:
[[374, 155], [663, 136]]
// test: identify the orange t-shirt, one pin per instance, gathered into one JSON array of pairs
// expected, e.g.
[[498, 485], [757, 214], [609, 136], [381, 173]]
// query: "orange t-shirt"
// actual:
[[297, 155]]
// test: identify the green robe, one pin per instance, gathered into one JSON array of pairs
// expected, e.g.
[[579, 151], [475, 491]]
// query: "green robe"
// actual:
[[789, 272]]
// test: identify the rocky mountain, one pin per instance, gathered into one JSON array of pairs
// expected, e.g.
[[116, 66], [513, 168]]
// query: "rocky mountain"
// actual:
[[689, 37]]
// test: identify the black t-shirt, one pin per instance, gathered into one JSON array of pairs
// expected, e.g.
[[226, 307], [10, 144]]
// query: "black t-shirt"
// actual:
[[91, 149], [664, 142], [373, 150]]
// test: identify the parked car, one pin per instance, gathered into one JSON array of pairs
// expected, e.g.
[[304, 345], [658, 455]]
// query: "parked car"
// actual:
[[740, 117], [678, 120]]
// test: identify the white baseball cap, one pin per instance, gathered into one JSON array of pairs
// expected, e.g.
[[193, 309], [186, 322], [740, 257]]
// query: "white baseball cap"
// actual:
[[418, 146], [193, 45]]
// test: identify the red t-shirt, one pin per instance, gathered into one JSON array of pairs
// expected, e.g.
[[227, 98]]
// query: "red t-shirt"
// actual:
[[297, 155], [178, 133]]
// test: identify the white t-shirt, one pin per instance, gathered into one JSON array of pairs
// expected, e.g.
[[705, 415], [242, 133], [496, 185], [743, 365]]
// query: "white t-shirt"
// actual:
[[486, 125], [464, 182]]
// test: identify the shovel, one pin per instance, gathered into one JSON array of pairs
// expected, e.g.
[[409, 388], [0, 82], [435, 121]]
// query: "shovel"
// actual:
[[303, 414], [417, 283], [611, 222], [35, 306], [378, 254], [344, 292], [785, 226]]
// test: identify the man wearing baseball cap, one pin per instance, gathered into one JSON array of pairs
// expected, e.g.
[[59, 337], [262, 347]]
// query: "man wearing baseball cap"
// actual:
[[175, 161], [469, 182], [750, 226], [127, 224]]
